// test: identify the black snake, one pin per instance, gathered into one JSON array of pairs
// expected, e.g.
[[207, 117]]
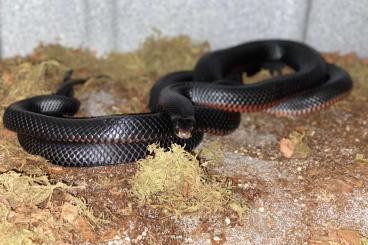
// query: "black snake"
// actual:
[[183, 105]]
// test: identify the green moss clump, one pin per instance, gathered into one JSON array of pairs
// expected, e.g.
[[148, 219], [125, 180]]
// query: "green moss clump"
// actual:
[[174, 181]]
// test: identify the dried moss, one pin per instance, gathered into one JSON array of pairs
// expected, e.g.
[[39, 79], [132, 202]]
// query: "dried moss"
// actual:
[[212, 154], [364, 241], [361, 158], [174, 181], [22, 190], [301, 149], [26, 80], [27, 214], [85, 210], [19, 192], [11, 234]]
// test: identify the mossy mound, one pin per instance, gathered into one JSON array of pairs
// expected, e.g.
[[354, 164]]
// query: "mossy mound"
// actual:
[[175, 181]]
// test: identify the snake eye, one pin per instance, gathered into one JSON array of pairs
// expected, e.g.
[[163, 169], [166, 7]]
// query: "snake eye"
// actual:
[[183, 128]]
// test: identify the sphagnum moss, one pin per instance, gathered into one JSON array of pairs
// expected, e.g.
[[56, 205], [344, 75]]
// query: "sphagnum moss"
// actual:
[[174, 181]]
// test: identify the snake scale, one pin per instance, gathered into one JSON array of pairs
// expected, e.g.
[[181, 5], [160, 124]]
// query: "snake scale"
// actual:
[[184, 105]]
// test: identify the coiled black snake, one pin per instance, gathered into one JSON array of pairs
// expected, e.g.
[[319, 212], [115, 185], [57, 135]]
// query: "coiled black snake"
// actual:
[[183, 105]]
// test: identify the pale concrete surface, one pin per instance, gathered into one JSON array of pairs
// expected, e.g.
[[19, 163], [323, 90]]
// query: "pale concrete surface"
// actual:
[[339, 25], [121, 25]]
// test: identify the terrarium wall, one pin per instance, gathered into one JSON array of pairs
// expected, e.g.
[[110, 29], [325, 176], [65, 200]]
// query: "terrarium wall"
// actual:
[[113, 25]]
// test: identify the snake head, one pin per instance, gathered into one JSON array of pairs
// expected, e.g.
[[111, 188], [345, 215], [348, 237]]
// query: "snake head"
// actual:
[[183, 127]]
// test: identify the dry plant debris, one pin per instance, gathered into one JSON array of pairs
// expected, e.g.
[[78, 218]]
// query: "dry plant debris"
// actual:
[[28, 215], [26, 79]]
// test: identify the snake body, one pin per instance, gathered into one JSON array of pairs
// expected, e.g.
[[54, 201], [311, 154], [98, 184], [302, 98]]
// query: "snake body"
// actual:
[[183, 105]]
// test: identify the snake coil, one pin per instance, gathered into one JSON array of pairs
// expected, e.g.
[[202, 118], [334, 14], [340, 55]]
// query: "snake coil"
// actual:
[[184, 105]]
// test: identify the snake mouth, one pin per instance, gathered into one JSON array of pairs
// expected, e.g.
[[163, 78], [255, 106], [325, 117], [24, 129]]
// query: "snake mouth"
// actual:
[[183, 134], [183, 128]]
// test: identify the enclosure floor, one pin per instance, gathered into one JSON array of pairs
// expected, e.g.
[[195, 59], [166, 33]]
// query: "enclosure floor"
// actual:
[[316, 198]]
